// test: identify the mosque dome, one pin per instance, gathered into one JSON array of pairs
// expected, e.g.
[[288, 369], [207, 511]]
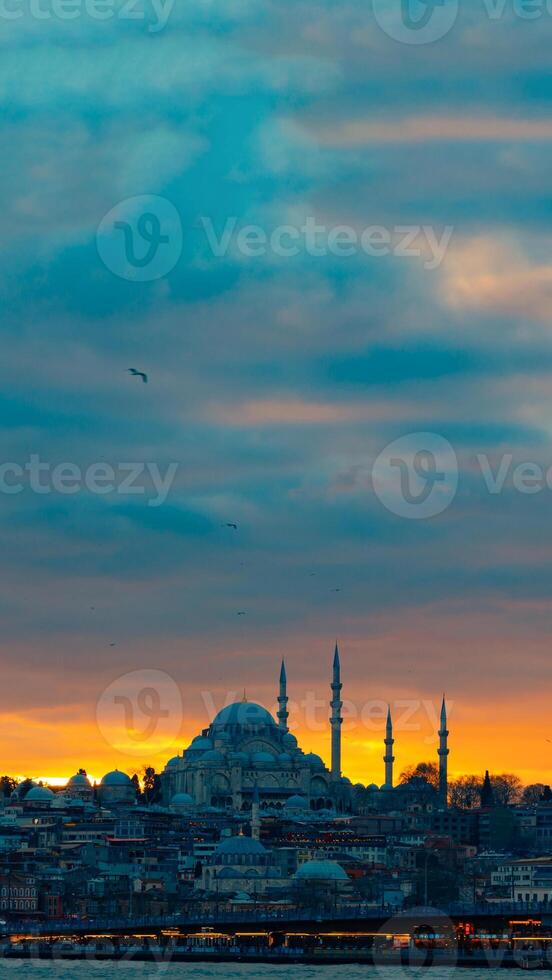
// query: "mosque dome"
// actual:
[[284, 757], [297, 802], [229, 873], [243, 713], [213, 755], [372, 786], [173, 762], [39, 794], [314, 760], [200, 744], [262, 757], [289, 741], [182, 799], [240, 845], [321, 871], [79, 779], [116, 778]]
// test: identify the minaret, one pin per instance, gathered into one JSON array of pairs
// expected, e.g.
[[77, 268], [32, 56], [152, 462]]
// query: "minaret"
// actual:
[[335, 719], [389, 758], [283, 713], [255, 814], [443, 756]]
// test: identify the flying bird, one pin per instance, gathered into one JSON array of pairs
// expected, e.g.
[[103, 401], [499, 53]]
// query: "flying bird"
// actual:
[[234, 526], [336, 590], [138, 374], [241, 614]]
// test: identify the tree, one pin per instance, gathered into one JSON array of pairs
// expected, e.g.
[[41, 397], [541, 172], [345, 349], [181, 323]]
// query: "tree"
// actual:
[[507, 788], [423, 770], [7, 785], [533, 793], [136, 783], [465, 792], [152, 785]]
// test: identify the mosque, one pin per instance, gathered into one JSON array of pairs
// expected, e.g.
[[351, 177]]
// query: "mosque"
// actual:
[[248, 761], [244, 751]]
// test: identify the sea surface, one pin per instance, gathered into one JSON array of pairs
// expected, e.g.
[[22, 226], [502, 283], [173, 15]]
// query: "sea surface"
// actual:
[[225, 971]]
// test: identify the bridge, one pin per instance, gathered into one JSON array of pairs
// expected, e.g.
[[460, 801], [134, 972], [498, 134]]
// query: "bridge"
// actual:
[[360, 918]]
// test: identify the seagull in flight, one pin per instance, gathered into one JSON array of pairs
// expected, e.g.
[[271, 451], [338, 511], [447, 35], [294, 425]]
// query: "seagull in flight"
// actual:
[[138, 374], [234, 526], [241, 614]]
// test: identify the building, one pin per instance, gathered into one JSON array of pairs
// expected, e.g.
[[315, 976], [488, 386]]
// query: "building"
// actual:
[[245, 750]]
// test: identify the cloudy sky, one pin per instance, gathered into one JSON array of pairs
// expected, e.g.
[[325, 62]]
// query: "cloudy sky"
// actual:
[[277, 375]]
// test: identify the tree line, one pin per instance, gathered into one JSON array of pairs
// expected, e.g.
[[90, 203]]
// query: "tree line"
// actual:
[[469, 791]]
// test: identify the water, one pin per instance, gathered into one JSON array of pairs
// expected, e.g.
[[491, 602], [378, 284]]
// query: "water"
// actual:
[[224, 971]]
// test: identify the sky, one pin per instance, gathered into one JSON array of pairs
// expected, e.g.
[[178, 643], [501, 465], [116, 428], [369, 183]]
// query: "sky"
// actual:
[[163, 165]]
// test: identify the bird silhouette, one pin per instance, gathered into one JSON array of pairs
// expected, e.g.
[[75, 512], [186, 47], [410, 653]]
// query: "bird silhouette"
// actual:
[[233, 526], [138, 374], [241, 614]]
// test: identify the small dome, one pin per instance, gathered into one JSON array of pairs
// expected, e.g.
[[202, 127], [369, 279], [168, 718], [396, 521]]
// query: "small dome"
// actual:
[[242, 897], [321, 871], [229, 873], [213, 755], [297, 802], [116, 778], [39, 794], [200, 744], [262, 758], [314, 760], [284, 757], [173, 762], [79, 779], [289, 741], [182, 799], [244, 713], [240, 845]]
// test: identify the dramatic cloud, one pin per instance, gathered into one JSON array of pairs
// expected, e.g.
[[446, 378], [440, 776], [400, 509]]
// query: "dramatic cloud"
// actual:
[[276, 380]]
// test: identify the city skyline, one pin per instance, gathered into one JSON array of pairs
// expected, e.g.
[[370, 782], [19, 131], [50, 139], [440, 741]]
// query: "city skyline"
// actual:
[[416, 726]]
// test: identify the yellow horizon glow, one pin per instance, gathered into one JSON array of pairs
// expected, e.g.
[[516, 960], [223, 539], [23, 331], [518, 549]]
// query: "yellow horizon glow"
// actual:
[[474, 747]]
